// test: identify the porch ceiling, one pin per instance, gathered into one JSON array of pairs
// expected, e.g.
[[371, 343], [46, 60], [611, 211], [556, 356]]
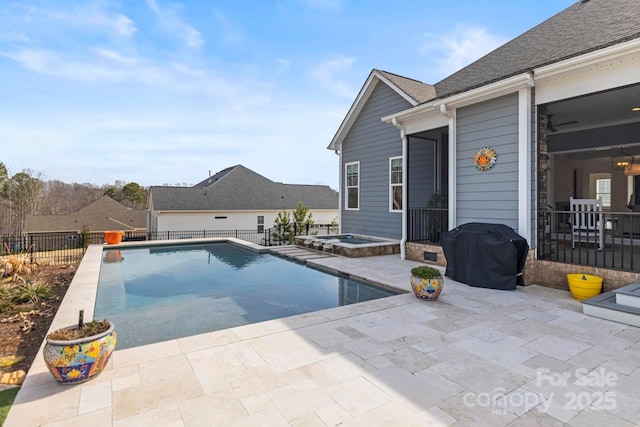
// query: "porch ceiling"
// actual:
[[597, 110]]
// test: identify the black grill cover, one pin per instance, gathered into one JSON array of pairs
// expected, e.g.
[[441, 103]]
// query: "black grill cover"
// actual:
[[485, 255]]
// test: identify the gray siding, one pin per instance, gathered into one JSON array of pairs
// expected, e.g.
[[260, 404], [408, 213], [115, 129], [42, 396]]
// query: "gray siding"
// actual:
[[372, 143], [490, 196], [422, 171]]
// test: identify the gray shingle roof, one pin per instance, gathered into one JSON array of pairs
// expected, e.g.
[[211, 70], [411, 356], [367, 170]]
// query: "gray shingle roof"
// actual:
[[579, 29], [240, 188], [102, 215], [416, 89]]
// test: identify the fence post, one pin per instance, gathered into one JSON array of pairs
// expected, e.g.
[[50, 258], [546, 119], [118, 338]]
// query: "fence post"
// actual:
[[31, 248]]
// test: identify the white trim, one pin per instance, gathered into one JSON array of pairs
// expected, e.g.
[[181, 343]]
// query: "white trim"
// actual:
[[391, 185], [346, 193], [453, 191], [340, 192], [524, 163], [616, 52], [473, 96]]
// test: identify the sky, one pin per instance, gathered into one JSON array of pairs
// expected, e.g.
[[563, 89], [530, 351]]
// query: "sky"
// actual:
[[161, 92]]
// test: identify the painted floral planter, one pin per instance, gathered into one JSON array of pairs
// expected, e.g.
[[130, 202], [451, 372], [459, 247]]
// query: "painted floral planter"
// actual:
[[428, 289], [113, 237], [76, 361]]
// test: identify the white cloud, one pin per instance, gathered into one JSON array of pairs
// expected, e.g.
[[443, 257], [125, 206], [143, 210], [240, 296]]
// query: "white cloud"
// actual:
[[123, 25], [283, 65], [460, 47], [331, 75], [230, 33], [171, 22]]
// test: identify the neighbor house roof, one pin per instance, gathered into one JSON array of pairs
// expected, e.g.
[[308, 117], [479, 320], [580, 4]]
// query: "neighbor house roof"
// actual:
[[102, 215], [584, 27], [414, 91], [240, 188]]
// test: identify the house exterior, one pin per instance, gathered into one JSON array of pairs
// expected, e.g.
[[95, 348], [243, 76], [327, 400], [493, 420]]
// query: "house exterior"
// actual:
[[235, 198], [102, 215], [554, 105]]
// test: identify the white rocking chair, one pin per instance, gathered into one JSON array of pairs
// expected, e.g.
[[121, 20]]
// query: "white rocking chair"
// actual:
[[587, 221]]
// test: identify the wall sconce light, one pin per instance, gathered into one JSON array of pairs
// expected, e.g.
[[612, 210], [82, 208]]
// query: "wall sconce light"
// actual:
[[621, 161]]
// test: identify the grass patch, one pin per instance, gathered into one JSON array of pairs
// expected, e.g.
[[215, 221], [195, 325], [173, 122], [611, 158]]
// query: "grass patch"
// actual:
[[6, 400]]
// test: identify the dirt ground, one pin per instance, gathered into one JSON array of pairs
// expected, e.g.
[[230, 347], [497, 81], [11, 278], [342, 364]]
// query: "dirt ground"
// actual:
[[22, 335]]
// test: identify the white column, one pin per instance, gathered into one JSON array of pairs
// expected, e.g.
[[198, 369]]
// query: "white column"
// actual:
[[524, 163], [452, 169]]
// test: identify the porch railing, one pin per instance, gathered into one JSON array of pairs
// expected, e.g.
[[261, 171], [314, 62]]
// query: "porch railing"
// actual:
[[621, 230], [426, 225]]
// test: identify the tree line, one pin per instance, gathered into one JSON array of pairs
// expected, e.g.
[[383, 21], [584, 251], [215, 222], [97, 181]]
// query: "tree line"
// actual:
[[28, 192]]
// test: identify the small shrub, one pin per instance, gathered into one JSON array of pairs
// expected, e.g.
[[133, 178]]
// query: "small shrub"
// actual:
[[425, 272], [15, 266], [32, 292]]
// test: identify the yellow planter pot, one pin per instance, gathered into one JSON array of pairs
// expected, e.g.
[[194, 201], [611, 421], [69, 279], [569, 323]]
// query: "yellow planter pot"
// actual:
[[584, 286]]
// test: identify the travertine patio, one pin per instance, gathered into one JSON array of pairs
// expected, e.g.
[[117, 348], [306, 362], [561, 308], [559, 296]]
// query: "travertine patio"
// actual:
[[474, 357]]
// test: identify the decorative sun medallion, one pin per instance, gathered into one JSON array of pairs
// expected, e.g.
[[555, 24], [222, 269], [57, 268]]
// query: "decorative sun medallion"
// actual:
[[485, 158]]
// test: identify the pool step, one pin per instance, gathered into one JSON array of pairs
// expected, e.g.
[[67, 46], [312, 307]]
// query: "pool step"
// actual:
[[621, 305], [298, 253]]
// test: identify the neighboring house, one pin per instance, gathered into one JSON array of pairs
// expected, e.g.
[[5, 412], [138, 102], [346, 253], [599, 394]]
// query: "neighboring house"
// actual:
[[556, 104], [102, 215], [235, 198]]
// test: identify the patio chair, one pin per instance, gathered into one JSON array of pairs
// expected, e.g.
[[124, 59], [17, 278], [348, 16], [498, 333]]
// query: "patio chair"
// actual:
[[587, 221]]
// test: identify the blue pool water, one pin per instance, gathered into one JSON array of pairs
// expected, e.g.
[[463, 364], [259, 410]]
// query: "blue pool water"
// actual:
[[347, 238], [159, 293]]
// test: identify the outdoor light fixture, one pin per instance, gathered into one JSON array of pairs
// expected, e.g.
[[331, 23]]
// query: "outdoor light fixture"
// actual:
[[635, 109], [621, 160]]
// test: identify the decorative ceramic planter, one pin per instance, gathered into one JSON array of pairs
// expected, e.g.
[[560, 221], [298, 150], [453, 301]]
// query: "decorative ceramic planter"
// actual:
[[113, 237], [428, 289], [76, 361], [584, 286]]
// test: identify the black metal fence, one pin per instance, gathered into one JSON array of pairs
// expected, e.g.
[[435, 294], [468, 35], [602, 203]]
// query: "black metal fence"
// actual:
[[66, 248], [618, 249], [426, 225]]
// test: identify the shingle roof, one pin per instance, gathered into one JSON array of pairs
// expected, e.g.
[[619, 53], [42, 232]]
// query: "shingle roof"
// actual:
[[102, 215], [240, 188], [416, 89], [579, 29]]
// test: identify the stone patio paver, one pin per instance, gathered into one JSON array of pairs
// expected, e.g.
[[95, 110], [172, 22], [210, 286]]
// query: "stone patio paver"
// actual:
[[474, 357]]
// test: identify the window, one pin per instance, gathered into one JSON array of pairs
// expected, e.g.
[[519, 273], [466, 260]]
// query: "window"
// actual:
[[260, 223], [395, 184], [352, 185], [603, 190]]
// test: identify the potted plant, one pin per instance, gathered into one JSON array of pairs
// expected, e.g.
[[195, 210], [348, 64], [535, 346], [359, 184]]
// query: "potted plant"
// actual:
[[78, 353], [426, 282]]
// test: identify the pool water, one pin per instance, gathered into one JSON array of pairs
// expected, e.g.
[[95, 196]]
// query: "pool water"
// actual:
[[351, 240], [159, 293]]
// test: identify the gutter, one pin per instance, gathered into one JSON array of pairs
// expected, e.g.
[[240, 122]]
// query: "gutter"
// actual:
[[403, 136]]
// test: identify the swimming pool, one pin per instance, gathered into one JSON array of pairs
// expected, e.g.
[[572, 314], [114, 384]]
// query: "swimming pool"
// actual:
[[159, 293]]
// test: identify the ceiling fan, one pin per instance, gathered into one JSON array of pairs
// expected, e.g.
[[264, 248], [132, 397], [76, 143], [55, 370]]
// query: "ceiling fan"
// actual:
[[552, 127]]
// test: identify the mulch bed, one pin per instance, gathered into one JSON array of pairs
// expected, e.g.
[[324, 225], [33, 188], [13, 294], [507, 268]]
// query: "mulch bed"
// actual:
[[23, 335]]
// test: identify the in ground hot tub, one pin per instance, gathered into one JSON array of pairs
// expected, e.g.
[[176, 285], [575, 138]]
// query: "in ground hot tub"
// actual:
[[350, 245]]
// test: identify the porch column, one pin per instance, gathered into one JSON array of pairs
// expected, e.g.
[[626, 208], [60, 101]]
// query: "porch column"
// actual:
[[451, 115], [524, 163]]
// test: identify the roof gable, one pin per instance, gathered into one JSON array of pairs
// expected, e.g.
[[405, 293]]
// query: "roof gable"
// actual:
[[102, 215], [414, 91], [242, 189], [584, 27]]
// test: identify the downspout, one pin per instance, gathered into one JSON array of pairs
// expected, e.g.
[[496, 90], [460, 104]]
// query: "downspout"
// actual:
[[403, 136], [451, 197]]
